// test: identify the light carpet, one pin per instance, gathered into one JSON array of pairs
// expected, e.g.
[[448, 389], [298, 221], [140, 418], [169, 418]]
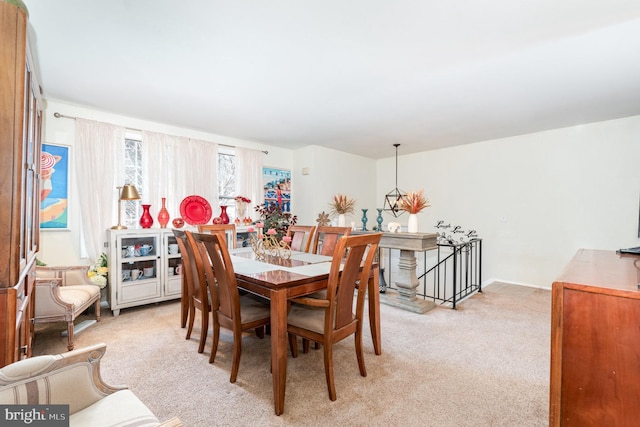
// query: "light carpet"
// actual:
[[484, 364]]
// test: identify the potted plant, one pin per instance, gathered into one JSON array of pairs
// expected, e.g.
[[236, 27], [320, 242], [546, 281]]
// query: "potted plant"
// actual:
[[413, 203], [342, 205], [273, 217]]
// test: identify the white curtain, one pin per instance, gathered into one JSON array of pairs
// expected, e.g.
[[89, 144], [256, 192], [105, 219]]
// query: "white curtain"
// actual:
[[249, 177], [176, 167], [99, 168]]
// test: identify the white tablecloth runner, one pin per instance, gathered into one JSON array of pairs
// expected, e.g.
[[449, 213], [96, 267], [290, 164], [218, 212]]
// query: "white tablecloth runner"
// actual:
[[321, 264], [249, 266], [240, 250], [307, 257], [310, 269]]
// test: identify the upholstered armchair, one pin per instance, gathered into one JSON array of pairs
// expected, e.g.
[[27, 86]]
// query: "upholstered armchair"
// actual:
[[62, 294], [74, 379]]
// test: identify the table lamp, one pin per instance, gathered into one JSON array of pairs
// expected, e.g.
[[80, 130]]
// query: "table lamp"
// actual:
[[128, 192]]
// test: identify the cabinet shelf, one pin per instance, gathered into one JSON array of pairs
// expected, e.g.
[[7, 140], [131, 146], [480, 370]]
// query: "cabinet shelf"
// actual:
[[139, 258]]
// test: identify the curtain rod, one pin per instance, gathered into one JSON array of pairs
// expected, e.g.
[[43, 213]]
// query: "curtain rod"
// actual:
[[58, 115]]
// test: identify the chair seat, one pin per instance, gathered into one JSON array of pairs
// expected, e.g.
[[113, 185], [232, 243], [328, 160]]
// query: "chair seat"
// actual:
[[121, 408], [252, 310], [78, 295], [319, 294], [311, 318]]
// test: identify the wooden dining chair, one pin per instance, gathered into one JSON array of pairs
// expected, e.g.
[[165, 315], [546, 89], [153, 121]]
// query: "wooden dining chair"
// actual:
[[301, 237], [229, 232], [331, 319], [326, 238], [197, 295], [231, 310], [324, 243]]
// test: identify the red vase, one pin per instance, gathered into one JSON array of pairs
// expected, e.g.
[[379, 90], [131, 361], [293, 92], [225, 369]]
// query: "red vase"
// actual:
[[146, 220], [223, 215], [163, 215]]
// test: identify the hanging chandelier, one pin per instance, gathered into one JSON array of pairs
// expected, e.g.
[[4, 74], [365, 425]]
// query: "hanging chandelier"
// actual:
[[393, 198]]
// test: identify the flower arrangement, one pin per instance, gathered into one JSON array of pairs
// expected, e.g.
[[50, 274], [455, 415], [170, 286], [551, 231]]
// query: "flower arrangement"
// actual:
[[414, 202], [342, 204], [273, 217], [241, 209], [242, 199], [98, 271]]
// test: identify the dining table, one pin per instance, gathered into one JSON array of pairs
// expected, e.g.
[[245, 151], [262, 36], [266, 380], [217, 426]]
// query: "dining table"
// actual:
[[279, 279]]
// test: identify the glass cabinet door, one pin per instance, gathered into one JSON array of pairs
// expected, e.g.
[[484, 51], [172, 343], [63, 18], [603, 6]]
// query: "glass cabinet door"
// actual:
[[139, 266], [139, 259]]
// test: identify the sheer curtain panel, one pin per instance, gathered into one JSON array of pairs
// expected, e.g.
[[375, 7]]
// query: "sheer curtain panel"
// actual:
[[99, 163], [176, 167], [249, 176]]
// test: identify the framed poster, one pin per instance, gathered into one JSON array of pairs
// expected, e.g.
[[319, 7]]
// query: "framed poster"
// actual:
[[54, 187], [277, 187]]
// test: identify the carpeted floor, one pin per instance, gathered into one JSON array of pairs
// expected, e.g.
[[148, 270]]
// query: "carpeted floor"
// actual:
[[484, 364]]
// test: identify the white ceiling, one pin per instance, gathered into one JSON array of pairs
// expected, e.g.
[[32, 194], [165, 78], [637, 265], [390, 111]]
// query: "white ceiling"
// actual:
[[353, 75]]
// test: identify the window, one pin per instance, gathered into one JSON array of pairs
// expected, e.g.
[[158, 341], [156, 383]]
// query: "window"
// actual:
[[132, 210], [132, 175], [227, 179]]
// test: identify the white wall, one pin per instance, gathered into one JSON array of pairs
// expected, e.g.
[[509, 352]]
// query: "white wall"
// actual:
[[63, 247], [332, 172], [534, 199]]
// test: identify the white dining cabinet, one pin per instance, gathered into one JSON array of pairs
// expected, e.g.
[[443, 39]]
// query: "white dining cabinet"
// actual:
[[145, 266]]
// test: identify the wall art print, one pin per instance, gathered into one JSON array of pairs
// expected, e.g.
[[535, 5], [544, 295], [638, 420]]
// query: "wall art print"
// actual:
[[54, 187], [277, 187]]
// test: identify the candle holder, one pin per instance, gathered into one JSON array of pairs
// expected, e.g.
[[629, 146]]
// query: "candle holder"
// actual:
[[364, 219], [379, 219]]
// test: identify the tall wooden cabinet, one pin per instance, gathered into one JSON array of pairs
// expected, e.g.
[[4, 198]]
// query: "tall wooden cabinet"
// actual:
[[20, 127], [595, 341]]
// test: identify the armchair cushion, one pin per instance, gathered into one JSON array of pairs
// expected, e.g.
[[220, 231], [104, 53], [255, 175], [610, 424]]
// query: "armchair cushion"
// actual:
[[73, 378], [62, 303], [117, 409]]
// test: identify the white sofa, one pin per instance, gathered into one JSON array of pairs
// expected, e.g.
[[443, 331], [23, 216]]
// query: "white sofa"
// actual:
[[73, 378]]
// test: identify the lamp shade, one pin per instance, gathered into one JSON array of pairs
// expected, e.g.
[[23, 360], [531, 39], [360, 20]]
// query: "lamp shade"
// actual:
[[129, 192]]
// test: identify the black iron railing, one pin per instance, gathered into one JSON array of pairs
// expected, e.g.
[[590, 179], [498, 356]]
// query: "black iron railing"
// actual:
[[455, 274]]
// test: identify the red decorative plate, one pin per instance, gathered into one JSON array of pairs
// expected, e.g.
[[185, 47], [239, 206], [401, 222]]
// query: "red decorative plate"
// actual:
[[195, 210]]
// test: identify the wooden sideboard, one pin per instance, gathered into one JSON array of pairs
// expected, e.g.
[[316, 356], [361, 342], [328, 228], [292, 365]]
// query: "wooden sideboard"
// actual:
[[20, 127], [595, 341]]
